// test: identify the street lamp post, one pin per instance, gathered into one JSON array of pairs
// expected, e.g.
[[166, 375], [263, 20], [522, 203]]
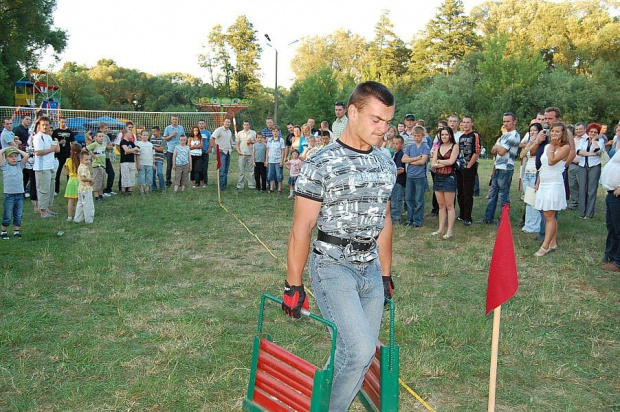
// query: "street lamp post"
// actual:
[[275, 90]]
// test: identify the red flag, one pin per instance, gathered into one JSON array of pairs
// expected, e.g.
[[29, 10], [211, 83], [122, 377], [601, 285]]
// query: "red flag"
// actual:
[[503, 282], [219, 159]]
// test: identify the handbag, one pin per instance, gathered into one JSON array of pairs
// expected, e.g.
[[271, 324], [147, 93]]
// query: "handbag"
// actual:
[[530, 196]]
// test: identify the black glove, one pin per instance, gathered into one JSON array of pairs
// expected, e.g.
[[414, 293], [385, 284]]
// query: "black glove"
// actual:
[[388, 287], [294, 300]]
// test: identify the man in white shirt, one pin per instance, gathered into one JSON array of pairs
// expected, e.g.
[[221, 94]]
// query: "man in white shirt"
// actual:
[[222, 137], [44, 149], [573, 169], [245, 140]]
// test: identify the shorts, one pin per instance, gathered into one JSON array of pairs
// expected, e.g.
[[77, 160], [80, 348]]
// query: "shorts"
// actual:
[[292, 180], [128, 174], [181, 175], [98, 176], [274, 172], [445, 183]]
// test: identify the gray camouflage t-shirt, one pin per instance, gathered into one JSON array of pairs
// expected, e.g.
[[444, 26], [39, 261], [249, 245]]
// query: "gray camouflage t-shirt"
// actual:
[[354, 187]]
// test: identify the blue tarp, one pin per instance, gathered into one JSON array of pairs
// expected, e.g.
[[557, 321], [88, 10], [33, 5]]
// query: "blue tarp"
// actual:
[[77, 124], [110, 121]]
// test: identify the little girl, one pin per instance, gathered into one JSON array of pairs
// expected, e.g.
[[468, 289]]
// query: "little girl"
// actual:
[[181, 164], [85, 210], [71, 167], [294, 165]]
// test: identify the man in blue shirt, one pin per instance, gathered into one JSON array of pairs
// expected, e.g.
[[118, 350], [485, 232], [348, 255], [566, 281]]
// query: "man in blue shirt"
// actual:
[[206, 147], [172, 133], [268, 131], [416, 155]]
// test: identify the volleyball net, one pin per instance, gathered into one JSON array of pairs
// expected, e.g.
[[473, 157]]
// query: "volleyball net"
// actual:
[[82, 121]]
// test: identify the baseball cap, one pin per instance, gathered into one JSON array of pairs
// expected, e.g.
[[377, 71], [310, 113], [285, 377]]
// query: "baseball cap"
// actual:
[[9, 151], [409, 116]]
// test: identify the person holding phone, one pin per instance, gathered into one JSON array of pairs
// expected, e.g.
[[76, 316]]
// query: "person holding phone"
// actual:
[[590, 150]]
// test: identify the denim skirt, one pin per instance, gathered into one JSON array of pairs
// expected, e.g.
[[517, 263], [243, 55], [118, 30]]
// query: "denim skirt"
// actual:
[[445, 183]]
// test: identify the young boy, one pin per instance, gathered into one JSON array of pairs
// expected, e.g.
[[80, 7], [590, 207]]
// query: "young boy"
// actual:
[[398, 191], [13, 185], [275, 159], [85, 210], [181, 164], [145, 162], [98, 149], [416, 155], [260, 162], [128, 163], [158, 158]]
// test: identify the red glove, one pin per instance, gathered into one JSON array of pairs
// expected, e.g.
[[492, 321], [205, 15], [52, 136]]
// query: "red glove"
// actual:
[[294, 300], [388, 287]]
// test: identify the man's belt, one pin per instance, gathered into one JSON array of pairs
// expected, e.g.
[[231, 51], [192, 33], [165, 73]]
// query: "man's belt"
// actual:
[[358, 244]]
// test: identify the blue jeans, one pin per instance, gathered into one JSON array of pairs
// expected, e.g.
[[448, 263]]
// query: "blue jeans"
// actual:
[[225, 159], [414, 196], [275, 172], [351, 296], [158, 174], [500, 187], [13, 208], [532, 216], [396, 204]]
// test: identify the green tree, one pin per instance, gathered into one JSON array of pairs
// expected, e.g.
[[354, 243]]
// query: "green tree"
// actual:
[[342, 51], [232, 59], [568, 34], [387, 57], [242, 39], [78, 89], [26, 31], [448, 37], [313, 97]]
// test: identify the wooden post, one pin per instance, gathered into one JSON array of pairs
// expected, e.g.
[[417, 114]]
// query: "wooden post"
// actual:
[[494, 349]]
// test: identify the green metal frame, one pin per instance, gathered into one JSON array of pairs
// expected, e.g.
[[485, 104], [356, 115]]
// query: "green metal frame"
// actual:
[[389, 373], [322, 384]]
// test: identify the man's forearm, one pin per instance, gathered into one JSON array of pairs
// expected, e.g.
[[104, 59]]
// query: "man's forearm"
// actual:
[[297, 254], [385, 246]]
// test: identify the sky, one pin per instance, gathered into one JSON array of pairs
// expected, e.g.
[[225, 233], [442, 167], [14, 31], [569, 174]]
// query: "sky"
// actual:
[[158, 37]]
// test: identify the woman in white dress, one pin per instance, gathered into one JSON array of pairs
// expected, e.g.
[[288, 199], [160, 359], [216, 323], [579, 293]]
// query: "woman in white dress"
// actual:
[[550, 194]]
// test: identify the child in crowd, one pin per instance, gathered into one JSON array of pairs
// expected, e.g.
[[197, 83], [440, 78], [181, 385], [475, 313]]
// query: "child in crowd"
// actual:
[[294, 165], [398, 192], [98, 149], [128, 162], [13, 189], [275, 159], [181, 164], [158, 158], [311, 149], [71, 167], [260, 162], [85, 210], [145, 163]]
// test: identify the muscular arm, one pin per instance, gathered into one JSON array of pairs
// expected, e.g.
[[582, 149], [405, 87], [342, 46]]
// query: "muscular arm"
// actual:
[[305, 215], [385, 244]]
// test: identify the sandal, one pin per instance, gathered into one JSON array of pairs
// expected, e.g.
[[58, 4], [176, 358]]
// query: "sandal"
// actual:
[[553, 248], [542, 252], [437, 233], [448, 236]]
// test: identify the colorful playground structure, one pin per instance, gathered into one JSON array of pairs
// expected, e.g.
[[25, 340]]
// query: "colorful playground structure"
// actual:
[[38, 88]]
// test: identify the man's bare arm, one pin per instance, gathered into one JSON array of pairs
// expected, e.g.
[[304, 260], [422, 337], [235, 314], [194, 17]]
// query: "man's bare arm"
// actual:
[[305, 215]]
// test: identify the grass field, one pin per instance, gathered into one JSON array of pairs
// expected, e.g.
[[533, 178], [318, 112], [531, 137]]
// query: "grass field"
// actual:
[[154, 307]]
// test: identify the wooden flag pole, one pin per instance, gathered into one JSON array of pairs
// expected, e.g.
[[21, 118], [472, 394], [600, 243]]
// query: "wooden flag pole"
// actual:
[[494, 349]]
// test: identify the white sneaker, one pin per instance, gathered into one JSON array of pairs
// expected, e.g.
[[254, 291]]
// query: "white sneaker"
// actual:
[[113, 193], [107, 195], [27, 195], [69, 219]]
